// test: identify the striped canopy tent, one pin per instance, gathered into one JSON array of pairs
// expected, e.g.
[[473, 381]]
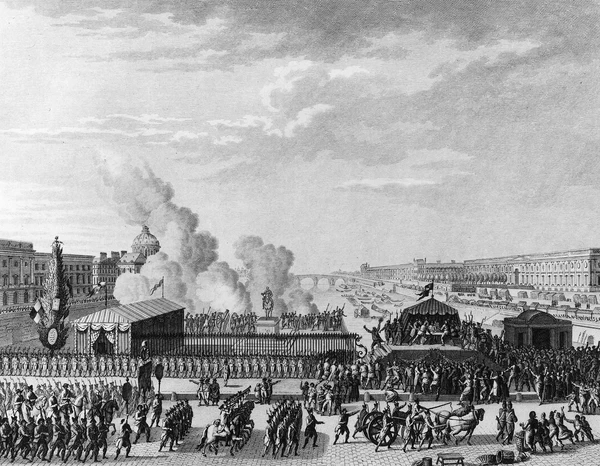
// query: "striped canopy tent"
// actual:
[[430, 310], [122, 329]]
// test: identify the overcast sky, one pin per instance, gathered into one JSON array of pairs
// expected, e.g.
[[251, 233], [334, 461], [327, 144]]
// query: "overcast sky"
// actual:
[[347, 131]]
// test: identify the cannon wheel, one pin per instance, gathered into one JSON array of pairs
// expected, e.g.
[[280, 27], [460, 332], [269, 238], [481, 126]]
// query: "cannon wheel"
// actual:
[[367, 420], [374, 430]]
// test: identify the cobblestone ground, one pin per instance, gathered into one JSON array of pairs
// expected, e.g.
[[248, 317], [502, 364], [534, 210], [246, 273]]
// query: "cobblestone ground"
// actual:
[[357, 452]]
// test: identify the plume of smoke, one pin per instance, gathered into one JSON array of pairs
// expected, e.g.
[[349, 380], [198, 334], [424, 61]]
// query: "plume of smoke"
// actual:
[[301, 302], [136, 192], [136, 287], [267, 266], [130, 288], [219, 286], [143, 198], [177, 227]]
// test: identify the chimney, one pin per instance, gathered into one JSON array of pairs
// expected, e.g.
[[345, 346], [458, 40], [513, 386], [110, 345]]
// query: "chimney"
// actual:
[[439, 261], [102, 256], [123, 253], [115, 255]]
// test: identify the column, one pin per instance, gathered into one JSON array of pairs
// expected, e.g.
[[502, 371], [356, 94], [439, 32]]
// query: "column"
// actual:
[[9, 270], [529, 338], [553, 340], [20, 270]]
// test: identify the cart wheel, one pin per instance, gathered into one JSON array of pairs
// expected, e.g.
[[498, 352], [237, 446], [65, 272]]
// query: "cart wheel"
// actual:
[[367, 420], [375, 428]]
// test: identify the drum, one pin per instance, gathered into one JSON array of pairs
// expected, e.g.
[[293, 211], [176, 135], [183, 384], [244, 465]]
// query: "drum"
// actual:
[[505, 457], [486, 459]]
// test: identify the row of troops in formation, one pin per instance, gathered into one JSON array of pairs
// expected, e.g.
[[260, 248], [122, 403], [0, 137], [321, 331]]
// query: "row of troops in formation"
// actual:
[[63, 428], [324, 321], [66, 364], [216, 321], [69, 364], [100, 398]]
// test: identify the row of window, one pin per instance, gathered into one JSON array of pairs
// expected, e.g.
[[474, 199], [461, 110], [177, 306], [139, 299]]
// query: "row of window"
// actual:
[[15, 280], [16, 263], [13, 298], [42, 266], [39, 280]]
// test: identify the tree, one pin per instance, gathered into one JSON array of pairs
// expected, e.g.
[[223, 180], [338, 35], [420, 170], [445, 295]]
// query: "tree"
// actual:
[[55, 302]]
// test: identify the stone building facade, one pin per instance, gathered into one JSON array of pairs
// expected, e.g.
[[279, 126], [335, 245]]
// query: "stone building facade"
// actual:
[[574, 270]]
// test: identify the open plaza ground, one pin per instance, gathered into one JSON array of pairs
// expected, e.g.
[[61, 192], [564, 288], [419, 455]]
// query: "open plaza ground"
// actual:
[[357, 452]]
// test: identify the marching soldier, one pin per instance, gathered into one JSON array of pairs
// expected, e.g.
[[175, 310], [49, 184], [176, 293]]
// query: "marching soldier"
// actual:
[[59, 444], [40, 440], [93, 437]]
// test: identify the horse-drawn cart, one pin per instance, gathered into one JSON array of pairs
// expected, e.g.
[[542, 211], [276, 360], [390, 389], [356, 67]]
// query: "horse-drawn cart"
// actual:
[[447, 424]]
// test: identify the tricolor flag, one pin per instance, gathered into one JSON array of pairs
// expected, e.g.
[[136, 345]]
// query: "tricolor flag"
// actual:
[[428, 288], [96, 289], [37, 311], [157, 286]]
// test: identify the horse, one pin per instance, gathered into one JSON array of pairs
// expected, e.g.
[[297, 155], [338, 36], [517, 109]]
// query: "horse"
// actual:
[[467, 423], [80, 405], [108, 410], [213, 434]]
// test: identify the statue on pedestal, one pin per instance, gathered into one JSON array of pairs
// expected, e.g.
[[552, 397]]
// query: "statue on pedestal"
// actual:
[[268, 303]]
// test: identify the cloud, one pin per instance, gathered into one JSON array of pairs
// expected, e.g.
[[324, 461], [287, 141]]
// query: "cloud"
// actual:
[[284, 82], [305, 118], [225, 140], [346, 72], [379, 183], [152, 119]]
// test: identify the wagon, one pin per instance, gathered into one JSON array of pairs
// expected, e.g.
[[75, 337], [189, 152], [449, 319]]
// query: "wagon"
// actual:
[[373, 423]]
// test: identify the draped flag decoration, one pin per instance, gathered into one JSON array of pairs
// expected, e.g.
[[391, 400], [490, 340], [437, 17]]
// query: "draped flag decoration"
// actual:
[[158, 285], [96, 289], [428, 289]]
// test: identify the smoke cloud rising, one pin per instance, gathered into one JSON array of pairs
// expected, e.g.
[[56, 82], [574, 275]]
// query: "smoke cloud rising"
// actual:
[[267, 266], [301, 302], [220, 286], [188, 257]]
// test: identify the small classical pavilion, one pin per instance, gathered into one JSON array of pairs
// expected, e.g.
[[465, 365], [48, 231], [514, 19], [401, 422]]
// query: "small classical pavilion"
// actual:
[[121, 329], [538, 329]]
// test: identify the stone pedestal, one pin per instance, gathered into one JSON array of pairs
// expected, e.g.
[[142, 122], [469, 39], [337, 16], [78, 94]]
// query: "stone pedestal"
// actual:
[[268, 325]]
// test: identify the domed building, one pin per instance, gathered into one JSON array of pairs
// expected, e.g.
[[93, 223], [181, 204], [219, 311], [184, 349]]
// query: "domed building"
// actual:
[[145, 243]]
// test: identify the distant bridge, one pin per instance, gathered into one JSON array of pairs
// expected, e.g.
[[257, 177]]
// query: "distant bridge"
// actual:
[[331, 280]]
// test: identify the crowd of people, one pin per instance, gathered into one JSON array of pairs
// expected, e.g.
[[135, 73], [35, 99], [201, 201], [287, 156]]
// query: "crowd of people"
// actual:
[[64, 420], [320, 321], [216, 322], [548, 432]]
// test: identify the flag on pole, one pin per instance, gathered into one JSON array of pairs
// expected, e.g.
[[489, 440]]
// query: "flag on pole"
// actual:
[[37, 311], [157, 286], [96, 289], [428, 288]]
